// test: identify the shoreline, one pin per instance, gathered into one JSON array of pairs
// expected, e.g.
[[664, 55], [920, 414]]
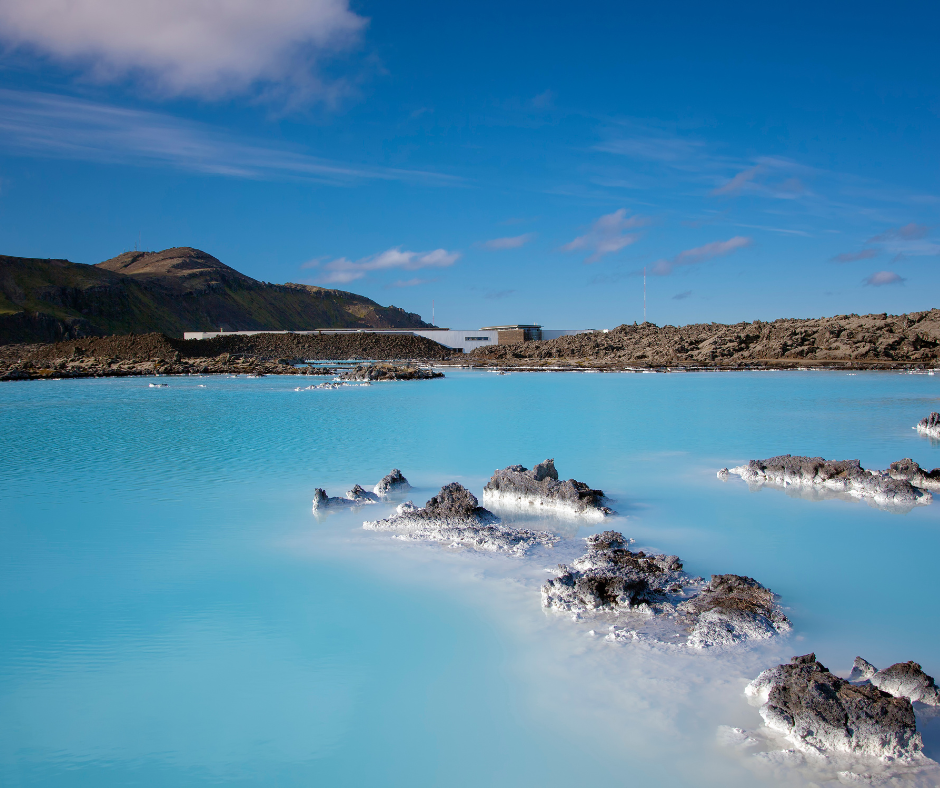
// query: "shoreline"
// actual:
[[70, 369]]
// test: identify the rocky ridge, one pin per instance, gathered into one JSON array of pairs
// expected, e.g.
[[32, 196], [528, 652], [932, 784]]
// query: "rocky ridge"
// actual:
[[845, 341], [391, 484], [158, 354]]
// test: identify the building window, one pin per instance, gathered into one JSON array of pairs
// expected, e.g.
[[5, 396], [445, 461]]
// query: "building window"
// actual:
[[476, 339]]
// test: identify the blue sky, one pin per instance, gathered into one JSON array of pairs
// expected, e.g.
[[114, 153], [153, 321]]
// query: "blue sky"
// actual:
[[514, 162]]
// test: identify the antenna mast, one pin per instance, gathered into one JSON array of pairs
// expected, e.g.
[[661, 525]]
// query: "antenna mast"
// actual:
[[432, 313], [644, 293]]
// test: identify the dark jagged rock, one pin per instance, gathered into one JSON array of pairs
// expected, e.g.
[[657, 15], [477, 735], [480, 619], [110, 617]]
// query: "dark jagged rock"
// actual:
[[540, 489], [454, 515], [392, 484], [732, 608], [612, 578], [837, 476], [930, 425], [372, 372], [360, 496], [902, 680], [909, 471], [820, 712]]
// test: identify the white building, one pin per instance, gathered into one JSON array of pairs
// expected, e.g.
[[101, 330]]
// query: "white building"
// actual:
[[458, 339]]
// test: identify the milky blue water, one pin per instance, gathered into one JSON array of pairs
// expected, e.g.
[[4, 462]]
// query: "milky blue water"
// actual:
[[172, 614]]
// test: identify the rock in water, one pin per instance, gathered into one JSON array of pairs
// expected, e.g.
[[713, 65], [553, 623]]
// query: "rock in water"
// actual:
[[612, 578], [731, 609], [930, 426], [841, 476], [384, 371], [909, 471], [862, 670], [391, 484], [902, 680], [360, 496], [540, 489], [822, 713], [323, 501], [454, 515]]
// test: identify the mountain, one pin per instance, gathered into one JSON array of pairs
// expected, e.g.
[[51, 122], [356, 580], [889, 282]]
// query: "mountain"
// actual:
[[172, 291]]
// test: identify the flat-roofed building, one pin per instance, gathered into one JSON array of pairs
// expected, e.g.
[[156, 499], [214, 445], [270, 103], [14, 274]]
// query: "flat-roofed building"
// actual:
[[461, 339]]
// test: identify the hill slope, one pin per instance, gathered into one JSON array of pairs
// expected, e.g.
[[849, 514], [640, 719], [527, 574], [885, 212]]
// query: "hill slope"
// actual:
[[172, 291]]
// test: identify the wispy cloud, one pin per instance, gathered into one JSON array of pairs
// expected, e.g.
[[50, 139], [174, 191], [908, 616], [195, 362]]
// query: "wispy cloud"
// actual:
[[513, 242], [682, 296], [607, 235], [343, 271], [497, 294], [194, 47], [851, 257], [881, 278], [738, 182], [909, 232], [656, 148], [700, 254], [409, 283], [54, 126]]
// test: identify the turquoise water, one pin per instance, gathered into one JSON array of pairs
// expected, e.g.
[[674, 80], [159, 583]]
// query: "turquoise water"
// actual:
[[173, 614]]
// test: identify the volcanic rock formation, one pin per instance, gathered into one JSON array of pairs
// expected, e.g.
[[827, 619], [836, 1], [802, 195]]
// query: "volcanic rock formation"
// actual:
[[930, 426], [820, 712], [840, 476], [389, 372], [392, 483], [454, 515], [611, 578], [540, 489], [909, 471]]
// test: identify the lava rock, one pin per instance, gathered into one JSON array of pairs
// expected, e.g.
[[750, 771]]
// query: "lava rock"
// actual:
[[840, 476], [909, 471], [540, 489], [930, 425], [392, 484], [820, 712], [455, 516]]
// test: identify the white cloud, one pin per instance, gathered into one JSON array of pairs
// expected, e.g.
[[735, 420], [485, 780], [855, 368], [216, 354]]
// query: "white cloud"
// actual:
[[607, 235], [343, 270], [48, 125], [513, 242], [200, 47], [410, 282], [655, 148], [880, 278], [700, 254]]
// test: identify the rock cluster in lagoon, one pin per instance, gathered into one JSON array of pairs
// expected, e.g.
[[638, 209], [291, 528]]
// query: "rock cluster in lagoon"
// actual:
[[392, 483], [930, 426], [902, 680], [611, 578], [823, 713], [389, 372], [455, 516], [540, 488], [910, 471], [838, 476]]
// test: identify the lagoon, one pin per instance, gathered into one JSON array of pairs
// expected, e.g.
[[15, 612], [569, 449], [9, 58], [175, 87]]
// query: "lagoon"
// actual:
[[173, 613]]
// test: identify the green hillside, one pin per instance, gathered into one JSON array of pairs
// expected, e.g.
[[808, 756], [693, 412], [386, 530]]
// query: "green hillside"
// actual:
[[173, 291]]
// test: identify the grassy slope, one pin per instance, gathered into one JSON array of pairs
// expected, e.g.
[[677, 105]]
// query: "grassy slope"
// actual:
[[80, 299]]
